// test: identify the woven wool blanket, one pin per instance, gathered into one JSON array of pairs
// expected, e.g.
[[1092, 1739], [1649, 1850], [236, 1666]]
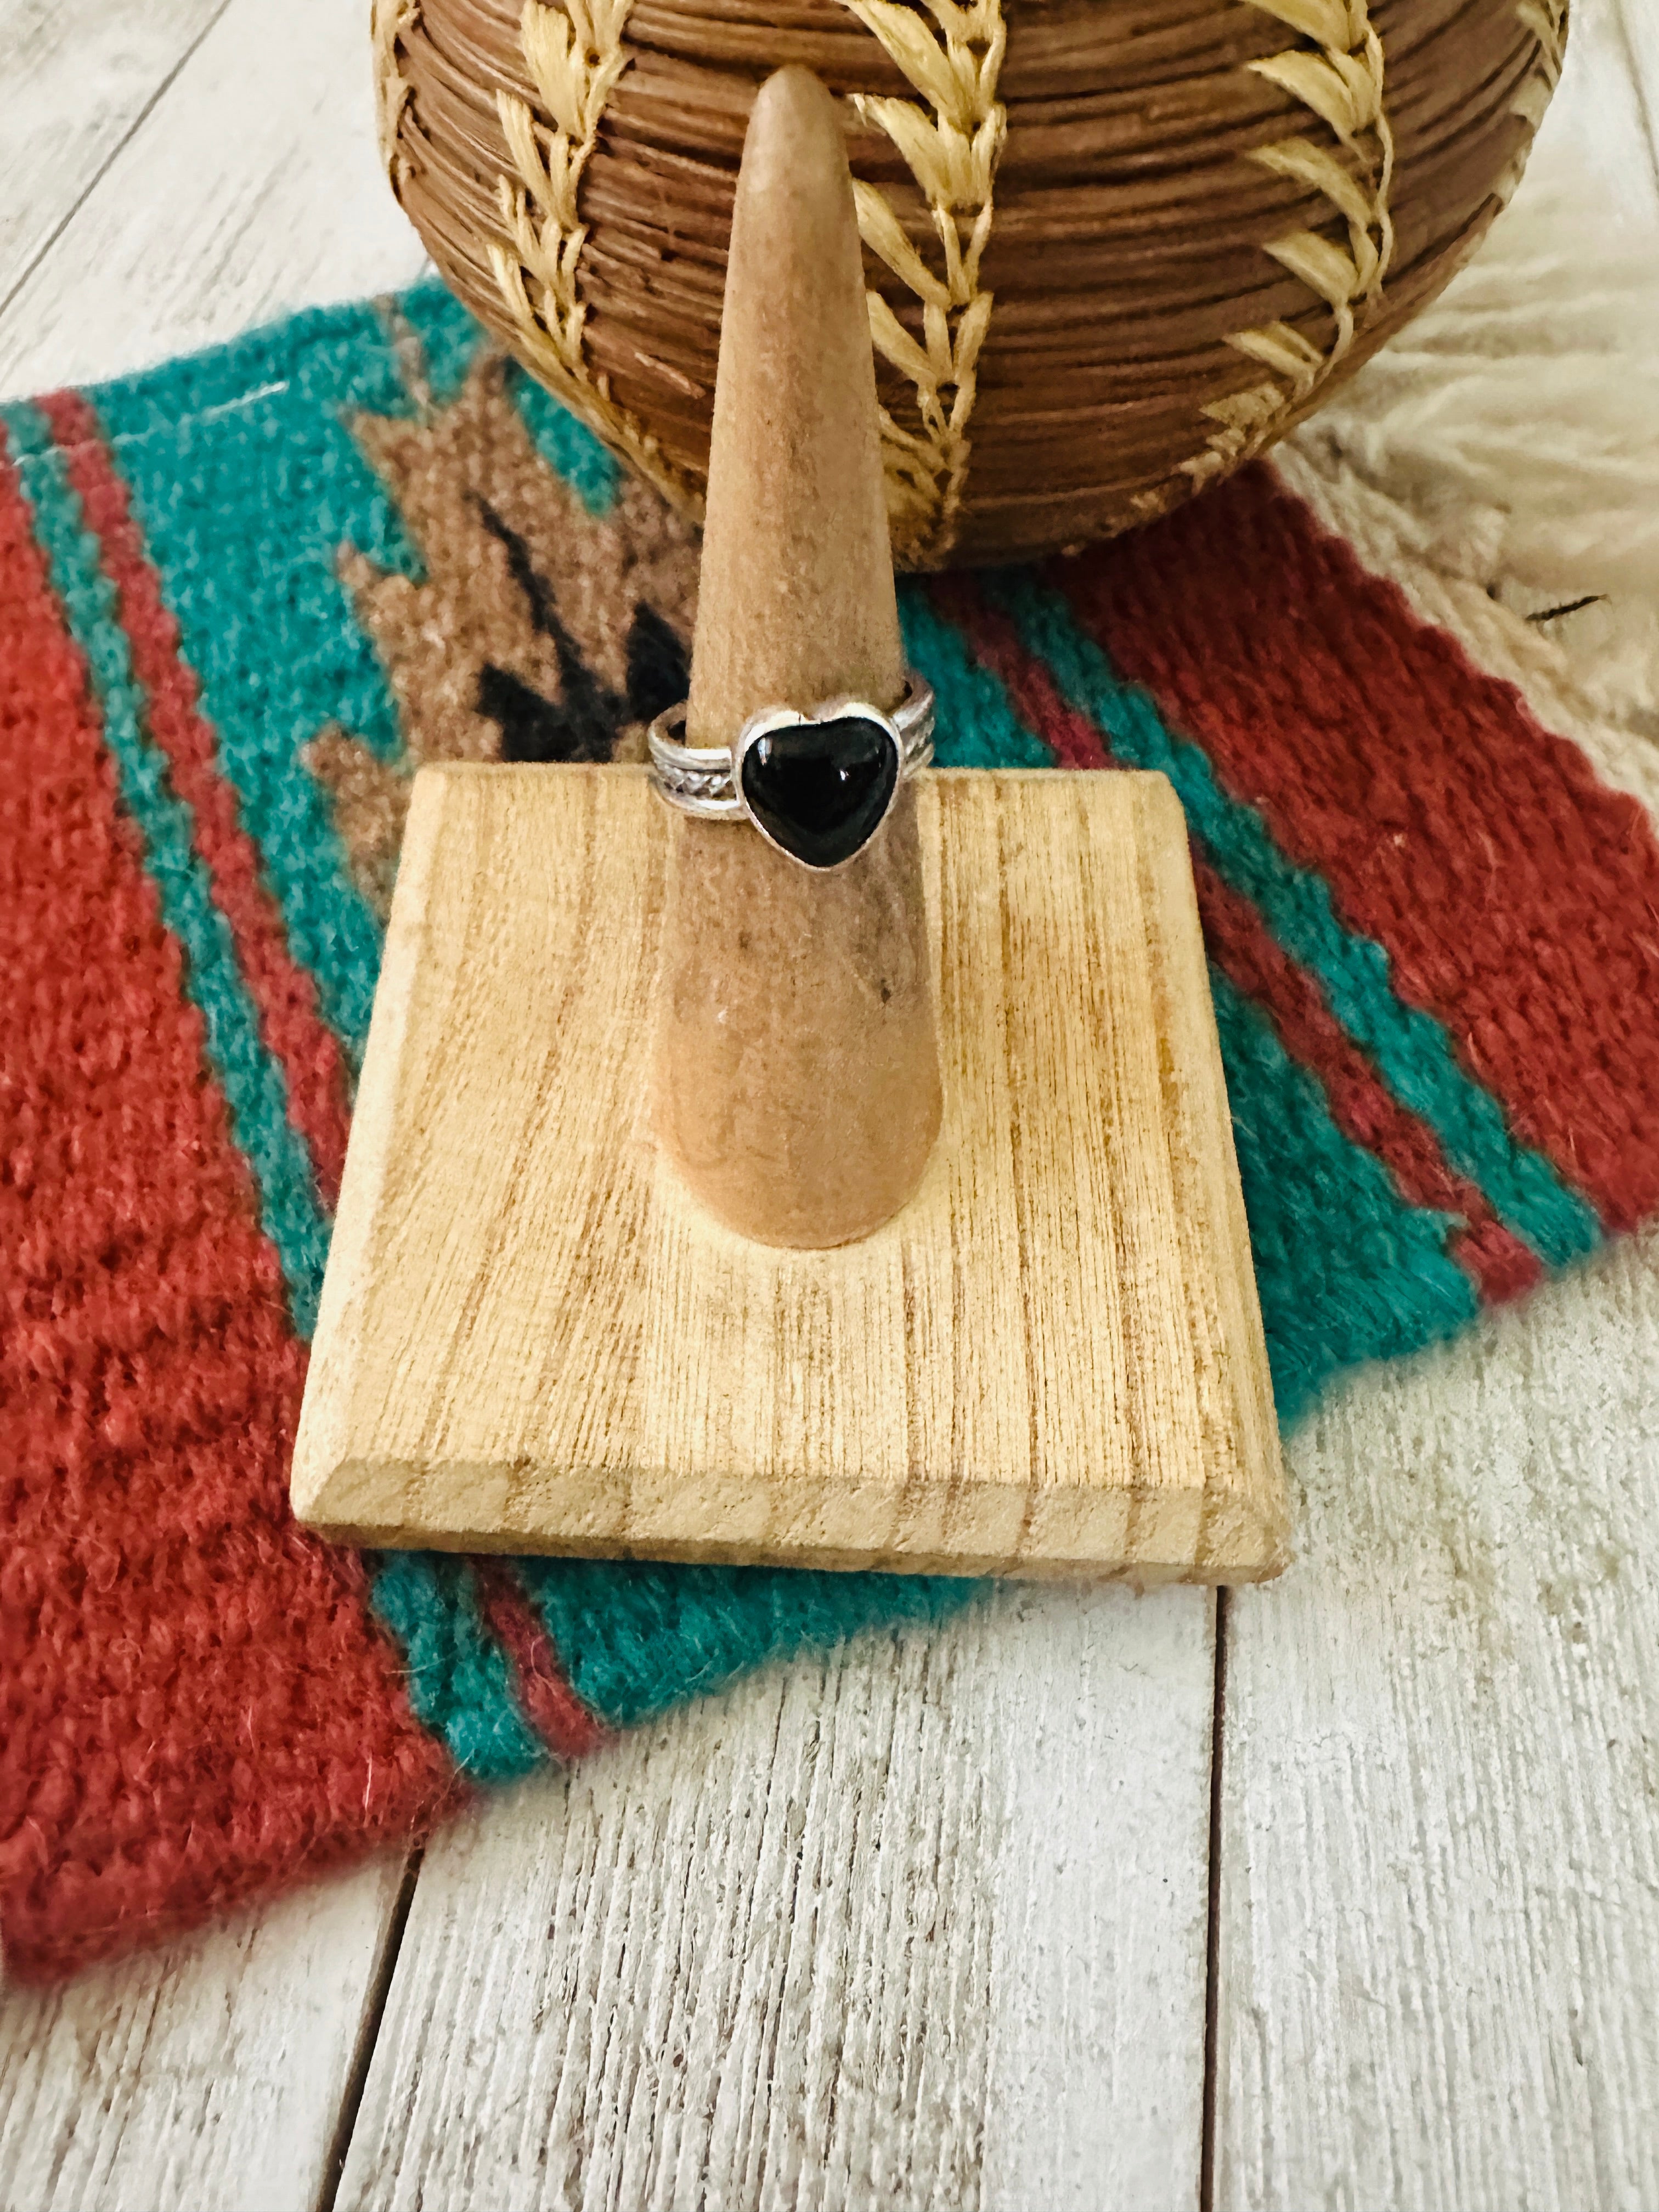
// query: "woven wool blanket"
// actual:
[[242, 598]]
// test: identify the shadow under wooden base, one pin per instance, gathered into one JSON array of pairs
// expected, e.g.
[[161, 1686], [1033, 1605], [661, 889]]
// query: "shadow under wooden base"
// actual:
[[532, 1339]]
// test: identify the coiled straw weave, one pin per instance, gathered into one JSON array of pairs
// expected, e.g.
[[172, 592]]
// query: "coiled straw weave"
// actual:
[[1113, 249]]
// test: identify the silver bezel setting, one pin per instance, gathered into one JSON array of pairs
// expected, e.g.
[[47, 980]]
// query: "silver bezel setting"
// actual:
[[707, 781]]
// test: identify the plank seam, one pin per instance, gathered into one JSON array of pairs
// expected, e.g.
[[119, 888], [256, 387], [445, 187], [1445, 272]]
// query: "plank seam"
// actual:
[[49, 244], [368, 2034], [1212, 1929]]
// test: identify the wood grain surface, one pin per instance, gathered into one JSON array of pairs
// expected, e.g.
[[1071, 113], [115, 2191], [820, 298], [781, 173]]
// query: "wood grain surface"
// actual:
[[922, 1926], [213, 2075], [532, 1338], [1439, 1862], [1388, 1904], [797, 1078], [81, 77], [253, 188]]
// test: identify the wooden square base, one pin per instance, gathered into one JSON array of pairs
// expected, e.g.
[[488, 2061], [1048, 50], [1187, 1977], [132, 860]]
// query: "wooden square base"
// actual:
[[532, 1339]]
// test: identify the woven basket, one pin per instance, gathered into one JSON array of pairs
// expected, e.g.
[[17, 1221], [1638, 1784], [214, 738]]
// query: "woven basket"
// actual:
[[1113, 247]]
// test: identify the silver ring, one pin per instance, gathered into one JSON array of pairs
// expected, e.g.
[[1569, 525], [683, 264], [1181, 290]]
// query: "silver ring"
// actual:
[[817, 784]]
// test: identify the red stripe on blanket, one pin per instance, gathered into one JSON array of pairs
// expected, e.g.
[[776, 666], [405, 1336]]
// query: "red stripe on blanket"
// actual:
[[197, 1705], [283, 991], [1240, 943], [1363, 1108], [545, 1697], [1517, 895]]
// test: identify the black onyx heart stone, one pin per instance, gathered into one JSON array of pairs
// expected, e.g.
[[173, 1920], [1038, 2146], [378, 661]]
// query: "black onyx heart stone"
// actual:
[[819, 789]]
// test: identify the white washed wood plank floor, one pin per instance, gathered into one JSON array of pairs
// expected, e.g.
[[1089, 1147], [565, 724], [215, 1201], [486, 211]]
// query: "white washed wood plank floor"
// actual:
[[81, 76], [922, 1929], [1439, 1849], [931, 1923]]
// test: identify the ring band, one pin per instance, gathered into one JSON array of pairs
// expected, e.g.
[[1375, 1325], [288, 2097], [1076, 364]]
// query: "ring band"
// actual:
[[817, 785]]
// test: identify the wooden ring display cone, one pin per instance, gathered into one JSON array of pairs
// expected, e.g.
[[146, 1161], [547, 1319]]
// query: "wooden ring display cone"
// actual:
[[798, 1076], [646, 1245]]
